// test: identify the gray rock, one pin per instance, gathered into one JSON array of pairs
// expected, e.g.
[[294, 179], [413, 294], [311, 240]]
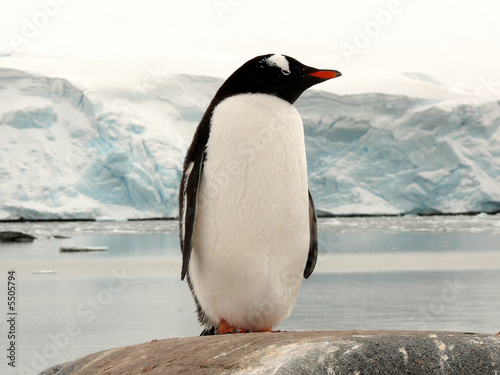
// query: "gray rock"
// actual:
[[9, 236], [290, 353]]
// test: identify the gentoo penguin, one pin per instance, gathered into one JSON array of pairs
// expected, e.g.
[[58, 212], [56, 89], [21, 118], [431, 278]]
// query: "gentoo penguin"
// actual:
[[248, 228]]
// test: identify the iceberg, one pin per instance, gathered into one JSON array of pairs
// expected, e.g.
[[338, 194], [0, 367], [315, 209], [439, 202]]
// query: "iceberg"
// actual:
[[386, 154], [108, 152]]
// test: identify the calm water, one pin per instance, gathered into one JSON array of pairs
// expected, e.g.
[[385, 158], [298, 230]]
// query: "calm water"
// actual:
[[439, 273]]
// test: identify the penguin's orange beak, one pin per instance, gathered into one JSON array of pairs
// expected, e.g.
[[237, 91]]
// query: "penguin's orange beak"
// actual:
[[326, 74]]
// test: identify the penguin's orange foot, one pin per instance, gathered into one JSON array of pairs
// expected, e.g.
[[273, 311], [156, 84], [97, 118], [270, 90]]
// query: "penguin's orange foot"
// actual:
[[224, 328]]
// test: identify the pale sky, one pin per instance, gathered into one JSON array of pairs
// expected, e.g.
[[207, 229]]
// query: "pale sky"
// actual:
[[455, 41]]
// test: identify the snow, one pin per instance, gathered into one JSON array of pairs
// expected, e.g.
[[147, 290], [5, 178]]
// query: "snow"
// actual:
[[112, 151], [67, 156], [377, 153]]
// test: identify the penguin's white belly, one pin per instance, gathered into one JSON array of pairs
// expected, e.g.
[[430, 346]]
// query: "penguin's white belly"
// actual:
[[251, 237]]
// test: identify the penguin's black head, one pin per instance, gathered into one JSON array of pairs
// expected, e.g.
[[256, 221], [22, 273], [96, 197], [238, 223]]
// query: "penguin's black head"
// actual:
[[273, 74]]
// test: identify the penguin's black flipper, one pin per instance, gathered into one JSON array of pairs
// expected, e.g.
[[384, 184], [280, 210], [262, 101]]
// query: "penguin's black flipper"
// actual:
[[313, 239], [190, 183]]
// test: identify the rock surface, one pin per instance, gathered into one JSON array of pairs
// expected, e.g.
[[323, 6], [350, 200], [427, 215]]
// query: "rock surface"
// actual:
[[320, 352]]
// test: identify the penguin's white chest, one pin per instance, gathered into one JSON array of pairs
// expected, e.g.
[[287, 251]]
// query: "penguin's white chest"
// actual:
[[252, 228]]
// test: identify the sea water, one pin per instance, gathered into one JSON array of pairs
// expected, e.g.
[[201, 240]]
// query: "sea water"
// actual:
[[404, 273]]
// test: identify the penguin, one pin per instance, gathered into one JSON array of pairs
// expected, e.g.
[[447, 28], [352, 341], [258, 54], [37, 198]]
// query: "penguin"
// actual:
[[247, 222]]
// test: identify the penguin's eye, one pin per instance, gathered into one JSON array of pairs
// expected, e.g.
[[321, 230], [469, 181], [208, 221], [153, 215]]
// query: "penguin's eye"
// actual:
[[285, 72]]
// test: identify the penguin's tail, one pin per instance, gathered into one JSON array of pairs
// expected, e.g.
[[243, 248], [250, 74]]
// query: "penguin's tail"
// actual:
[[208, 331]]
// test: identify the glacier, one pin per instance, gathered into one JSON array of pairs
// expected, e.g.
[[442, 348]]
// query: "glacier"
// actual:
[[113, 153]]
